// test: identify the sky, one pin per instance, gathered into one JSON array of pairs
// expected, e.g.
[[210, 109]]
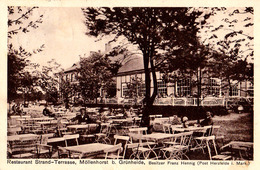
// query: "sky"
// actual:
[[63, 35]]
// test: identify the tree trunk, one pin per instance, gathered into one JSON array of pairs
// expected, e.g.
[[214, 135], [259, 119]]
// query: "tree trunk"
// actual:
[[148, 103]]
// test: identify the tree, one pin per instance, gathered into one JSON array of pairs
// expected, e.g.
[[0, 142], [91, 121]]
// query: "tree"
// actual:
[[67, 90], [230, 36], [95, 76], [158, 33], [19, 22], [135, 89], [48, 80]]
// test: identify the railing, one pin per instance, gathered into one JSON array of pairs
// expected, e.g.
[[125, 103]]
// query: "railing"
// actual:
[[169, 101]]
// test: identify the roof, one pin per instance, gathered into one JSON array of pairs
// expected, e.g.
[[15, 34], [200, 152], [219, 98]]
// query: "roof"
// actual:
[[135, 63], [73, 67]]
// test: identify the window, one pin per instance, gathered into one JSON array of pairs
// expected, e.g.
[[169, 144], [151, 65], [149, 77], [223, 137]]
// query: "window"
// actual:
[[124, 90], [141, 90], [214, 87], [234, 91], [183, 87], [250, 89], [162, 88], [73, 77]]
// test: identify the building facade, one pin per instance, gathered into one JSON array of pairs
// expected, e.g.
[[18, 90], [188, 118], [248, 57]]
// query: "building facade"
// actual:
[[182, 91], [130, 88]]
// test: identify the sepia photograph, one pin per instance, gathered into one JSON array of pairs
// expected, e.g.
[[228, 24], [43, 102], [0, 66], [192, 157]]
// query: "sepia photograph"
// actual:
[[130, 84]]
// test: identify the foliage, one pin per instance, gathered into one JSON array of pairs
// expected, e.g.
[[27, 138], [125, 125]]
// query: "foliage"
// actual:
[[158, 33], [68, 90], [48, 80], [230, 36], [19, 78], [95, 75]]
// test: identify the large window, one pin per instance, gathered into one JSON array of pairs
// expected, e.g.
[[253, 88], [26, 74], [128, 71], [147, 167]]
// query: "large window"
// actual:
[[234, 91], [250, 89], [162, 88], [214, 87], [141, 90], [124, 90], [183, 87]]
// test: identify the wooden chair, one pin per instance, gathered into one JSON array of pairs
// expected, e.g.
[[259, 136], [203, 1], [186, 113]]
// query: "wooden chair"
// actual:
[[63, 153], [215, 132], [14, 131], [24, 148], [166, 128], [140, 149], [126, 140], [103, 136], [42, 148], [203, 141], [114, 152], [177, 150], [90, 134], [70, 137]]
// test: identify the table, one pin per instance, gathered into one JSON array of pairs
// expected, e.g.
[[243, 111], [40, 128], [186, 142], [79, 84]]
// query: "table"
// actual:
[[54, 140], [76, 127], [89, 148], [20, 137], [158, 136], [41, 119], [119, 120], [190, 128], [240, 147]]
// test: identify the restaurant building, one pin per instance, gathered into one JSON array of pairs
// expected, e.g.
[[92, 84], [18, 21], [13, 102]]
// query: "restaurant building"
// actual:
[[181, 92]]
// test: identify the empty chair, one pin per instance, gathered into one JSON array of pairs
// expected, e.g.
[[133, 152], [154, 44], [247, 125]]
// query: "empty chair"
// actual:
[[70, 137], [114, 152], [63, 153], [42, 148], [103, 136], [177, 150], [121, 139], [13, 130], [24, 148]]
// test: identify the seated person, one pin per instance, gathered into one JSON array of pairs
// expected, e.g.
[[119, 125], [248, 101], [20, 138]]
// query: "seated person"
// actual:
[[46, 112], [184, 122], [208, 120], [82, 117], [176, 120]]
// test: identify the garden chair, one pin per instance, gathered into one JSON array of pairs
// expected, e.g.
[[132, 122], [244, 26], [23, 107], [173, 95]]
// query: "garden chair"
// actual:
[[125, 139], [178, 150], [139, 149], [63, 153], [43, 148], [215, 132], [114, 152], [71, 137], [166, 128], [104, 134], [89, 134], [14, 130], [24, 148], [203, 141]]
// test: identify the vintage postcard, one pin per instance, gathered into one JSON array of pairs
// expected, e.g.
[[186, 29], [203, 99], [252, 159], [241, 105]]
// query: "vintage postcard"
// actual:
[[111, 84]]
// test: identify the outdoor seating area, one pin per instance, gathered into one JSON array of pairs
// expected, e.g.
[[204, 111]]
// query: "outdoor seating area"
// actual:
[[119, 135]]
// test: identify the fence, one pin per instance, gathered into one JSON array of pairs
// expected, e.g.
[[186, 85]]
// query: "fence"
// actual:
[[169, 101]]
